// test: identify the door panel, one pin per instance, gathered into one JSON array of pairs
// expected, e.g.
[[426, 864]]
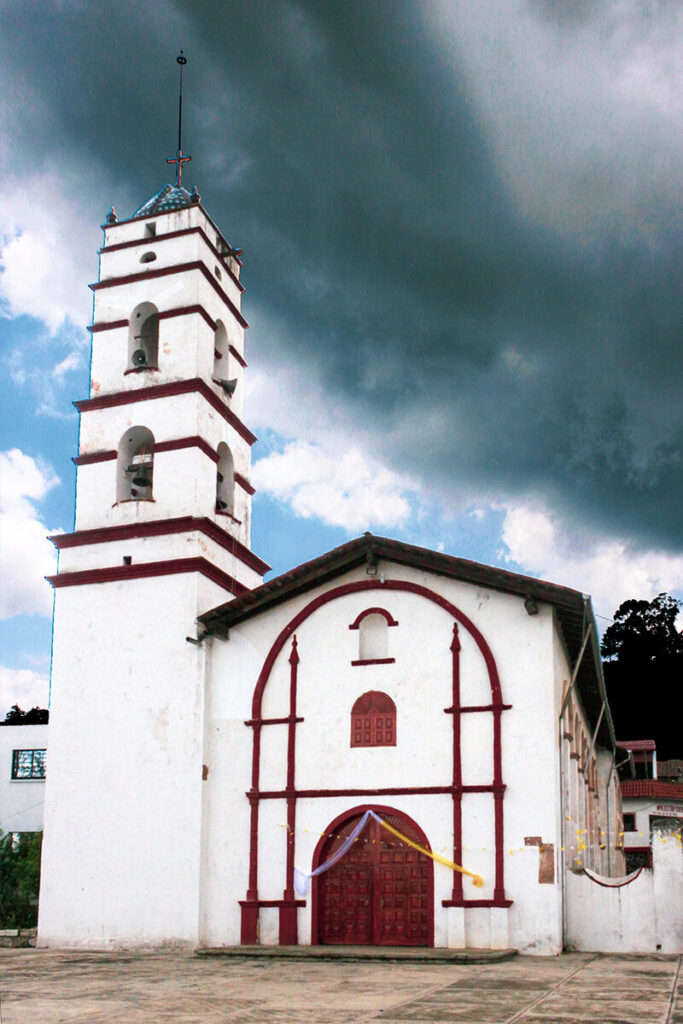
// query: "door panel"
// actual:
[[379, 893]]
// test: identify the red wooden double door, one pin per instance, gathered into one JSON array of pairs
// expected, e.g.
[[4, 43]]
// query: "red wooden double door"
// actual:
[[381, 892]]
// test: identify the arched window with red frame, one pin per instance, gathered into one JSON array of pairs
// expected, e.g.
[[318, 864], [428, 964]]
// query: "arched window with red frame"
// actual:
[[373, 721]]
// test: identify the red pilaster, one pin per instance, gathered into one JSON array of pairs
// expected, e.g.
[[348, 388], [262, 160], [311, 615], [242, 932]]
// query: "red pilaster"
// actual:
[[457, 767]]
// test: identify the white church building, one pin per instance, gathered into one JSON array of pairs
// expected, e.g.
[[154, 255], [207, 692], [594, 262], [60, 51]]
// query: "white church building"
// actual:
[[210, 734]]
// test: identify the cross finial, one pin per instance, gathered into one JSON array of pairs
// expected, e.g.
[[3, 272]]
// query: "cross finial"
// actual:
[[179, 160]]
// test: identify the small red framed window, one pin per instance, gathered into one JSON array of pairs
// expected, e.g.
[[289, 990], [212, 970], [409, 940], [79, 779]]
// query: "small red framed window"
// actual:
[[373, 721]]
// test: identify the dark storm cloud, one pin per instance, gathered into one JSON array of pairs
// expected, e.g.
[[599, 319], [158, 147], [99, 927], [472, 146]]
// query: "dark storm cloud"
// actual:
[[356, 152]]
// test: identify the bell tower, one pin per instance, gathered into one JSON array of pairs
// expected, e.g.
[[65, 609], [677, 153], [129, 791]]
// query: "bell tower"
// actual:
[[162, 534]]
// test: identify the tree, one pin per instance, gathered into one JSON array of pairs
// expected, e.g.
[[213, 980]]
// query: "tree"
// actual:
[[35, 716], [643, 664], [19, 878]]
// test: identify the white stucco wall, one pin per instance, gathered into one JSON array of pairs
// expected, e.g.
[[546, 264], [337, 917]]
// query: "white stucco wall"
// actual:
[[123, 801], [420, 684], [21, 800], [643, 916]]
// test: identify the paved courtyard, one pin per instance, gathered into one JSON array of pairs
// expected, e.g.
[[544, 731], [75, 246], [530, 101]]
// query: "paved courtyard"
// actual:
[[44, 987]]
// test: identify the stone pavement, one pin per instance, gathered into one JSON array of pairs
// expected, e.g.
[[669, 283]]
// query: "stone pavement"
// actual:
[[46, 987]]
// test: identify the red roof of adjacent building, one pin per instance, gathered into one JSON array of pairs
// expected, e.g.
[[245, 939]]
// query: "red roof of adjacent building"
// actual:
[[652, 788]]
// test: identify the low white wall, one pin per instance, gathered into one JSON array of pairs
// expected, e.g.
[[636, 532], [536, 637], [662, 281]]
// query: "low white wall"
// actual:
[[643, 916]]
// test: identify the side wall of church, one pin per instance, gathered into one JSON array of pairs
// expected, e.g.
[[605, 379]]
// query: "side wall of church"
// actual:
[[122, 816], [332, 777]]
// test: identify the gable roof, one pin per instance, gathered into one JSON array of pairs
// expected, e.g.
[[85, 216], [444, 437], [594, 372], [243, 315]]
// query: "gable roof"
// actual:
[[573, 609]]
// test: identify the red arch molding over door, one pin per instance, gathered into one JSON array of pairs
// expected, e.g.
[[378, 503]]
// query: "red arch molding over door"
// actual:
[[382, 892], [288, 905]]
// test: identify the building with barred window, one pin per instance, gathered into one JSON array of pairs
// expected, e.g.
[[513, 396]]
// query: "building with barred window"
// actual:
[[23, 760]]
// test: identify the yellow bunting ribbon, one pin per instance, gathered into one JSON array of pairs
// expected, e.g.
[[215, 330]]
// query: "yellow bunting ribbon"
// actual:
[[476, 879]]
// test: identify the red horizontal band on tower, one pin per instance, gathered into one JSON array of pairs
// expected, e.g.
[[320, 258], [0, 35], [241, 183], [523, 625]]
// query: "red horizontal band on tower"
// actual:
[[175, 444], [141, 570], [244, 483], [165, 213], [165, 236], [172, 388], [160, 528], [240, 359], [179, 268]]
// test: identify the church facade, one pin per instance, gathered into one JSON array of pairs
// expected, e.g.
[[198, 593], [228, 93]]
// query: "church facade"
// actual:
[[214, 738]]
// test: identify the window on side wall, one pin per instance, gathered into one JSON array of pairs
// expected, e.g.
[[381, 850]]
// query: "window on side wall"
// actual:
[[28, 764], [629, 822]]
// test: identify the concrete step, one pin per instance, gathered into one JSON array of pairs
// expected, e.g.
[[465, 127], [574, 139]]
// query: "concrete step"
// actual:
[[356, 954]]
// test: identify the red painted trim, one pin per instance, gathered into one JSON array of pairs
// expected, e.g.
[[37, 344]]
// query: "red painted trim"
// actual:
[[374, 661], [619, 885], [249, 925], [240, 359], [171, 389], [178, 443], [272, 903], [92, 457], [168, 213], [173, 234], [391, 621], [498, 787], [351, 588], [244, 483], [159, 528], [281, 794], [160, 446], [477, 903], [478, 707], [291, 799], [272, 721], [457, 892], [405, 586], [179, 268], [95, 328], [166, 315], [141, 570], [339, 820], [169, 314]]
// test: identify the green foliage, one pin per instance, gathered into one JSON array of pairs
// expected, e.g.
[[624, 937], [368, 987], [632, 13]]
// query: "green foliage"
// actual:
[[644, 630], [643, 665], [34, 716], [19, 878]]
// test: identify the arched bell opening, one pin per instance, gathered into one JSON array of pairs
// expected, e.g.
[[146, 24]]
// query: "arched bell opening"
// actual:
[[135, 465], [225, 481], [221, 361], [143, 337]]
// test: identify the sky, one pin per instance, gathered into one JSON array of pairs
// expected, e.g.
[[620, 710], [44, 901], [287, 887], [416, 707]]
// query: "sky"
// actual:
[[462, 245]]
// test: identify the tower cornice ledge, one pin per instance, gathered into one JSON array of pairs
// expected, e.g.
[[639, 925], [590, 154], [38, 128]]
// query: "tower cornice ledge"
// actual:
[[161, 527], [172, 388], [140, 570], [179, 268], [165, 236]]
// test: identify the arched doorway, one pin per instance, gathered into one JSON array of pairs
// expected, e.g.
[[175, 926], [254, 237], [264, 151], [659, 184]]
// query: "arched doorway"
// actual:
[[381, 893]]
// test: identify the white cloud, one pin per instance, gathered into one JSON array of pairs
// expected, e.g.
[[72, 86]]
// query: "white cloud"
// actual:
[[46, 256], [608, 569], [345, 489], [26, 556], [24, 687]]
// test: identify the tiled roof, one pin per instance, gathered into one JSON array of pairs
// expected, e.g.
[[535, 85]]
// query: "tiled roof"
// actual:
[[652, 788], [168, 198]]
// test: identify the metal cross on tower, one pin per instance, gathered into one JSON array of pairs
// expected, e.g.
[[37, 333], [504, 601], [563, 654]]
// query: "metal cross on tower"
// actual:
[[179, 160]]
